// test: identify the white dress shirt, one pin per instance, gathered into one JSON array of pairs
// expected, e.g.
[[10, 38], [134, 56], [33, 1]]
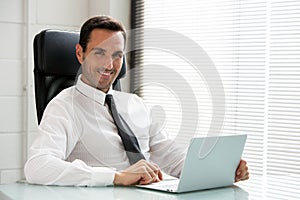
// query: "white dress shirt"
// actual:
[[78, 142]]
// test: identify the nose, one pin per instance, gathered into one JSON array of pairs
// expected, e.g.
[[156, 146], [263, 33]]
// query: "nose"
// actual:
[[109, 63]]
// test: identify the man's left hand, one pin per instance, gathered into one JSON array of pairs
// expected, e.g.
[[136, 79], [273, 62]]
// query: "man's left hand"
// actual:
[[242, 173]]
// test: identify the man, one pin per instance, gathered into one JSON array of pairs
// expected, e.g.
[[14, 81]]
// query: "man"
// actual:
[[78, 142]]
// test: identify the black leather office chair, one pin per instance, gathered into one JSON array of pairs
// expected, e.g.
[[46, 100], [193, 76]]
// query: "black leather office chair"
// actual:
[[56, 66]]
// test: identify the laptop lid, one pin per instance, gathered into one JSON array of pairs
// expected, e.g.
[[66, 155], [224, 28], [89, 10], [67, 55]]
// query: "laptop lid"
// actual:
[[211, 162]]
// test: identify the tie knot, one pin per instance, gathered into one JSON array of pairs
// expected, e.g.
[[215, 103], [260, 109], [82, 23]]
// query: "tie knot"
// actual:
[[108, 97], [109, 100]]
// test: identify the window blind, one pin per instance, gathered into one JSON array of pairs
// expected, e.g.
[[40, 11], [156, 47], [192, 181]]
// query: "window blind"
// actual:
[[255, 47], [283, 138]]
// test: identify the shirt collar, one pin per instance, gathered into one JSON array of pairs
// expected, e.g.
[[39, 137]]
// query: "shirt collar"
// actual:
[[91, 92]]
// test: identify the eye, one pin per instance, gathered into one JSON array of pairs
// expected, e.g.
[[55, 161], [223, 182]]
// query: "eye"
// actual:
[[118, 55], [99, 53]]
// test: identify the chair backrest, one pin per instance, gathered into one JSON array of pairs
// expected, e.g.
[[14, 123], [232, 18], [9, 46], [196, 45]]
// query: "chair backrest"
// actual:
[[56, 66]]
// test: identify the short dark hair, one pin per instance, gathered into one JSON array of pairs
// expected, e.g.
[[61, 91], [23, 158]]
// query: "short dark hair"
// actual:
[[99, 22]]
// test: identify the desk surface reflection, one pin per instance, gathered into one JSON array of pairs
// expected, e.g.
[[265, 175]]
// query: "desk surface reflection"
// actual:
[[258, 187], [24, 191]]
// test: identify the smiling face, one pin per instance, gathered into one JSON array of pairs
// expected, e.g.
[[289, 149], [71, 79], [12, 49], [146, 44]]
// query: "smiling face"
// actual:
[[103, 58]]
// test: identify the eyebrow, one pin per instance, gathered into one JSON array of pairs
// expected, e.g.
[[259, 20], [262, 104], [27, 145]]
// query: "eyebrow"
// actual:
[[98, 49], [103, 50]]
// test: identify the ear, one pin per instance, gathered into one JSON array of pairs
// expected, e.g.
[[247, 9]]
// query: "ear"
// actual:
[[79, 53]]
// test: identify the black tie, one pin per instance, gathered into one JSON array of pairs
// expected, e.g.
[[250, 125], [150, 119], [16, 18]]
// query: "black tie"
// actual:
[[129, 140]]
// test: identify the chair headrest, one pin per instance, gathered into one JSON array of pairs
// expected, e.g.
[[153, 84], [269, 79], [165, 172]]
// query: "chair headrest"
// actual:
[[57, 52]]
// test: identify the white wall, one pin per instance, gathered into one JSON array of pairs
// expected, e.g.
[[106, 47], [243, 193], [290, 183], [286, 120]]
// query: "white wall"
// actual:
[[19, 21]]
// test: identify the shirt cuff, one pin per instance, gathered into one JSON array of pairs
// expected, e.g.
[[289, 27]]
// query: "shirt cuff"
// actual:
[[102, 176]]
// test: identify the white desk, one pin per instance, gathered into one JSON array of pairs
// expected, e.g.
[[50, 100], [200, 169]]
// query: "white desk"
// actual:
[[20, 191], [256, 188]]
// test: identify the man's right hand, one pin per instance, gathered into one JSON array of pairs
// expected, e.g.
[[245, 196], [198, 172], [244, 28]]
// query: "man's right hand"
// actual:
[[142, 172]]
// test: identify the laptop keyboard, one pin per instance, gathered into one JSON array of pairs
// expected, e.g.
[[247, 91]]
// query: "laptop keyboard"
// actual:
[[167, 185]]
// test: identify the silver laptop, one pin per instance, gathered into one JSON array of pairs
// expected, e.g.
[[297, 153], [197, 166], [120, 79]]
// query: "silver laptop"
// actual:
[[210, 162]]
